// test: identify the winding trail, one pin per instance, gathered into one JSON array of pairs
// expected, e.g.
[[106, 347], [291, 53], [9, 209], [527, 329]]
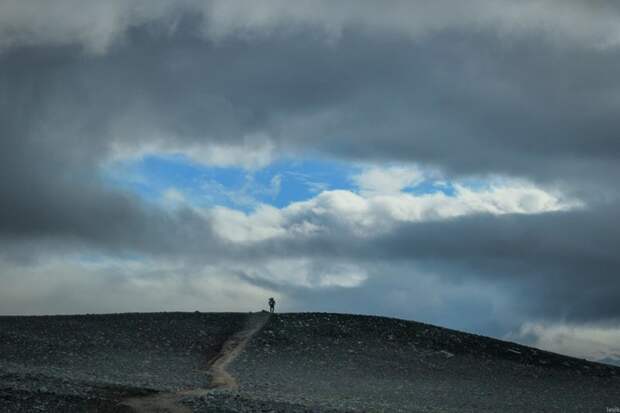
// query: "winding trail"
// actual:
[[220, 378]]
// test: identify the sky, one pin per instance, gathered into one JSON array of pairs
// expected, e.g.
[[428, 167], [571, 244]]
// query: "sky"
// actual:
[[447, 162]]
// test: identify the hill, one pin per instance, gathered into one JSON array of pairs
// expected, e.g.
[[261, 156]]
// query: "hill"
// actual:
[[306, 362]]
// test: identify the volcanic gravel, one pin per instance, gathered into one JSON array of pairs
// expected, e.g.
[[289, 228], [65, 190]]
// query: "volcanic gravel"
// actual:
[[380, 364], [310, 362], [93, 361]]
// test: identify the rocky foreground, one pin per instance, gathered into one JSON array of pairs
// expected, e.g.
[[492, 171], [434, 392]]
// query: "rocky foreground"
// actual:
[[234, 362]]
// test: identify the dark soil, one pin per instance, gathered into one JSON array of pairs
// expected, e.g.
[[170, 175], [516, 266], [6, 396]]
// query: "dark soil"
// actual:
[[296, 363], [381, 364], [57, 363]]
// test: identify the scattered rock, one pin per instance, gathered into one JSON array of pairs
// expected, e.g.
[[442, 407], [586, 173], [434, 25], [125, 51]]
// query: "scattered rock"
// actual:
[[313, 363]]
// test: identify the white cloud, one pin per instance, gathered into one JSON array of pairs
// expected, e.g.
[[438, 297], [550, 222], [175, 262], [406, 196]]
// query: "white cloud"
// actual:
[[252, 152], [390, 180], [275, 185], [173, 197], [232, 225], [369, 213], [69, 284], [586, 341], [513, 197]]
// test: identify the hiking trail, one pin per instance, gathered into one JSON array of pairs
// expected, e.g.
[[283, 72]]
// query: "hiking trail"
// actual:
[[221, 379]]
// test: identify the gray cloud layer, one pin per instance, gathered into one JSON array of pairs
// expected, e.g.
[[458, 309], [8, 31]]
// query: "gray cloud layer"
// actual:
[[528, 91]]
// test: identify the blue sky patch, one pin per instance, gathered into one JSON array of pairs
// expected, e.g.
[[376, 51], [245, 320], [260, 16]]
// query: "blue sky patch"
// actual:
[[279, 184]]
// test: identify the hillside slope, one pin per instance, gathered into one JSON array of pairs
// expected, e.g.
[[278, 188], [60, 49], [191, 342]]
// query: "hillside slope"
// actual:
[[293, 363], [381, 364]]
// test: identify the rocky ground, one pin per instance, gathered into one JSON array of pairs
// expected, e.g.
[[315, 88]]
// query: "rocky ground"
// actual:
[[94, 361], [380, 364], [293, 363]]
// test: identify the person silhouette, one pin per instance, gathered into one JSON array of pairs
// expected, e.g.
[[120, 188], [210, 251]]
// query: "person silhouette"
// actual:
[[272, 304]]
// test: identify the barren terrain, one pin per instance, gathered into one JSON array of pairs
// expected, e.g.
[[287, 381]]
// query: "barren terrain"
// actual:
[[236, 362]]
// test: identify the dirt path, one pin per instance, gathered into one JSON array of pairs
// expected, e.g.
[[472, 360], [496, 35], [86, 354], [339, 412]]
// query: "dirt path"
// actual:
[[220, 378]]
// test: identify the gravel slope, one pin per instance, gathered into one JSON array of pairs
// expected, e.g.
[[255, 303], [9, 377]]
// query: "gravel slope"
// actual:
[[381, 364], [296, 363], [97, 360]]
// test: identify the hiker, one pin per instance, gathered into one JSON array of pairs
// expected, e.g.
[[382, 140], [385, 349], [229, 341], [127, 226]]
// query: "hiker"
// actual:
[[272, 304]]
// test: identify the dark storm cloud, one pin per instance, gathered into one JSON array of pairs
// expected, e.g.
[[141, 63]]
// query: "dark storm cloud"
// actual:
[[470, 101], [55, 134], [560, 265]]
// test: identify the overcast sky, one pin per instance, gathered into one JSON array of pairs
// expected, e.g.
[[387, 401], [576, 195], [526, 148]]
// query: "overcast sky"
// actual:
[[450, 162]]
